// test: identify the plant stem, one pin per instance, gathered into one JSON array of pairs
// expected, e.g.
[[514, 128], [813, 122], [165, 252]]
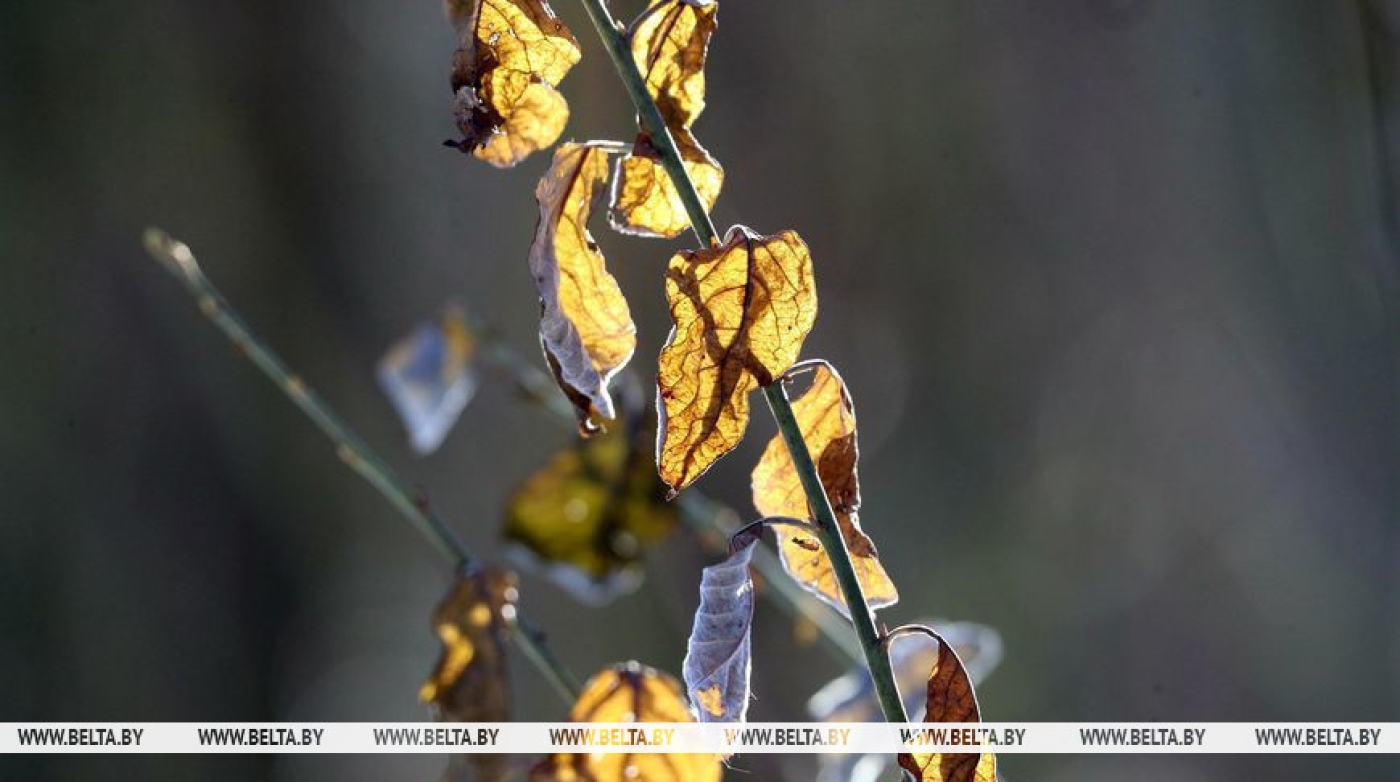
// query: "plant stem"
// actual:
[[176, 257], [877, 657]]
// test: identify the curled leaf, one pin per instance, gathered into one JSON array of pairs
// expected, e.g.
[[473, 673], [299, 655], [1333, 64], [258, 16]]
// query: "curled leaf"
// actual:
[[950, 699], [828, 421], [585, 518], [429, 379], [471, 682], [629, 693], [669, 43], [586, 330], [511, 56], [741, 311], [645, 201], [718, 655]]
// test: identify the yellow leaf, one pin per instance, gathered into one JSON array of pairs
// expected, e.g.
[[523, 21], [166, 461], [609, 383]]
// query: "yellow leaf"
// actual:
[[645, 201], [670, 43], [951, 699], [585, 327], [741, 311], [470, 682], [511, 56], [827, 418], [629, 693], [587, 516]]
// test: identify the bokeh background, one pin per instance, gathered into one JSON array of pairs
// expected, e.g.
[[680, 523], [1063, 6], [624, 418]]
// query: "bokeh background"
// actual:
[[1114, 283]]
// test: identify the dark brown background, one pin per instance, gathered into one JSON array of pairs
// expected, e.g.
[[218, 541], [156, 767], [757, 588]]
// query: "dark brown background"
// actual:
[[1114, 284]]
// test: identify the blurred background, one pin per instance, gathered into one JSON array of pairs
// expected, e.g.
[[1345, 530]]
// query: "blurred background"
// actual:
[[1114, 283]]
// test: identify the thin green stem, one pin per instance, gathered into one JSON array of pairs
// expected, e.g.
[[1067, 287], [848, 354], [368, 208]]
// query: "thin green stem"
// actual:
[[876, 656], [176, 257]]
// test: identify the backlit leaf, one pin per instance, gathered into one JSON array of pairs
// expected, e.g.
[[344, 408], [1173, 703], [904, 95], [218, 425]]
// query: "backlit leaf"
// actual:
[[511, 56], [669, 43], [950, 699], [851, 697], [741, 311], [428, 377], [470, 682], [629, 693], [828, 421], [644, 200], [586, 517], [718, 655], [585, 327]]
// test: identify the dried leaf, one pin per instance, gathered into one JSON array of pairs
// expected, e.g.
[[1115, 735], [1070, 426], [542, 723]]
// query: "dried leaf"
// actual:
[[644, 200], [511, 56], [950, 699], [828, 420], [741, 311], [851, 697], [471, 682], [670, 44], [429, 379], [586, 329], [629, 693], [586, 517], [717, 658]]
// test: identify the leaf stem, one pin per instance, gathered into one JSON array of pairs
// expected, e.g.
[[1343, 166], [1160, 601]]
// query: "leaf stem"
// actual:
[[654, 125], [176, 257]]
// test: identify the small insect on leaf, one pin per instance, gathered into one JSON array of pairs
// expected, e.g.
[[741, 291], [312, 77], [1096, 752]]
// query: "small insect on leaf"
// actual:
[[429, 378], [950, 699], [471, 682], [670, 42], [629, 693], [828, 421], [511, 56], [586, 330], [741, 311], [718, 656], [645, 201], [587, 516]]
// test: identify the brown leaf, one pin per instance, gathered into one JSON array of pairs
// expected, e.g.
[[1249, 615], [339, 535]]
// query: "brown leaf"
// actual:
[[644, 200], [629, 693], [669, 44], [828, 421], [586, 329], [511, 55], [741, 311], [588, 515], [951, 699], [471, 682]]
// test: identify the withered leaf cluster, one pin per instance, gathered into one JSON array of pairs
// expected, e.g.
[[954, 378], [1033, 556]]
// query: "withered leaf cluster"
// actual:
[[669, 43], [510, 58], [827, 418], [629, 693]]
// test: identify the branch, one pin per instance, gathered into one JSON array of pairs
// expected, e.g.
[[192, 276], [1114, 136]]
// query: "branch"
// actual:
[[654, 125], [176, 257]]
